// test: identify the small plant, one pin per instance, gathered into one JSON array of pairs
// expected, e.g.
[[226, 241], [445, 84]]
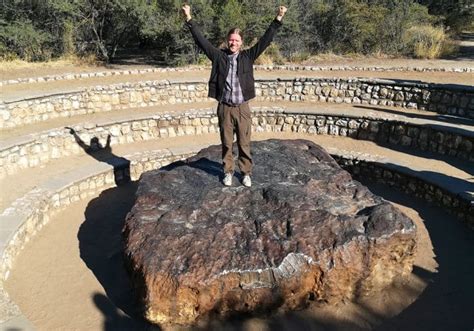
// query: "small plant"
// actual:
[[202, 60], [299, 57], [271, 55], [450, 47]]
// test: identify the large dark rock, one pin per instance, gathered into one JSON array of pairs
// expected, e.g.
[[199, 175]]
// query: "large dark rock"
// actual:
[[304, 231]]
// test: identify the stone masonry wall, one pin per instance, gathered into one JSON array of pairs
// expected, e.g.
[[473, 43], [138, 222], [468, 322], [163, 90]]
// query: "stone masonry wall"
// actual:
[[461, 207], [438, 98], [444, 99], [58, 143], [32, 211]]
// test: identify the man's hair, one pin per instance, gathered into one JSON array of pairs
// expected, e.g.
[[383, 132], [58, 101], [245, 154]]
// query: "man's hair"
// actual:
[[235, 31]]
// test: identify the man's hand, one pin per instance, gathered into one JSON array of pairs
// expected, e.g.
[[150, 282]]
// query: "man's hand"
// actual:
[[281, 12], [186, 10]]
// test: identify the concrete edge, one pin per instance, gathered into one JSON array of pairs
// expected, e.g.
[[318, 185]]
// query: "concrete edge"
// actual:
[[70, 76]]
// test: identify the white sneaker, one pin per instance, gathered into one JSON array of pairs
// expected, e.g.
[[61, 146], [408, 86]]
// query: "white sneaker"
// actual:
[[246, 181], [227, 181]]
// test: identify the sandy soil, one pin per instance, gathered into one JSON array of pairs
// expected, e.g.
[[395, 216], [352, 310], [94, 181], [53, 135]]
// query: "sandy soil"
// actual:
[[71, 276]]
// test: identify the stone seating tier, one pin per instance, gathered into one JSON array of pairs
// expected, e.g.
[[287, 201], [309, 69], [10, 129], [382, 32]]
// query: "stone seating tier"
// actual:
[[26, 216], [38, 149], [444, 99]]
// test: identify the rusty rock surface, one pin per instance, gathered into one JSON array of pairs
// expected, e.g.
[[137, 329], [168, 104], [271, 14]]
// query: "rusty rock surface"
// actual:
[[305, 231]]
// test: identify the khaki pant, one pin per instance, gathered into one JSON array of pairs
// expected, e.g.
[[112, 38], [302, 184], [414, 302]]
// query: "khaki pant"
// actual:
[[235, 119]]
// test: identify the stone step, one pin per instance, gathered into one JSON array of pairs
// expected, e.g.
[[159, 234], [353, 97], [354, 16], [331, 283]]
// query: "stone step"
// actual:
[[383, 112], [388, 126], [449, 99], [29, 213], [459, 172]]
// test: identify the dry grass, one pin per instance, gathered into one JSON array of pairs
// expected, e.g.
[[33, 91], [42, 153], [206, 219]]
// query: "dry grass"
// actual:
[[425, 41], [65, 61], [450, 47], [271, 55], [332, 57], [347, 59]]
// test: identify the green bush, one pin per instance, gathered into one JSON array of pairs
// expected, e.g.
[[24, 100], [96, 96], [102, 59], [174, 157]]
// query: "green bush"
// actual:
[[38, 30], [21, 38]]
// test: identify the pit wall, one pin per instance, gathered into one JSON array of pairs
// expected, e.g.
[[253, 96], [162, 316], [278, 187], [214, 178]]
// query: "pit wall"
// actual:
[[444, 99], [41, 148], [411, 183], [27, 215]]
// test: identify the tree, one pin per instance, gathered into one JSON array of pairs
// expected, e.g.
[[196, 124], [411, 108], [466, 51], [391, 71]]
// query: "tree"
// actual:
[[455, 14]]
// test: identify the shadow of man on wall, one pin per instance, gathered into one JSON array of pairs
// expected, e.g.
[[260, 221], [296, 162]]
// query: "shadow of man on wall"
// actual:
[[104, 154]]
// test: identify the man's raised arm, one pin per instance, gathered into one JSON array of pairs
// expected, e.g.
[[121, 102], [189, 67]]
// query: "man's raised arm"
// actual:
[[204, 44], [267, 37], [281, 12], [186, 10]]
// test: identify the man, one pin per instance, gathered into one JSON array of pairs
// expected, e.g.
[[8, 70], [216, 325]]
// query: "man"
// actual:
[[232, 85]]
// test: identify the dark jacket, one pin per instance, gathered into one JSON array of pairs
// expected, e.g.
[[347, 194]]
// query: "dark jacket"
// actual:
[[220, 61]]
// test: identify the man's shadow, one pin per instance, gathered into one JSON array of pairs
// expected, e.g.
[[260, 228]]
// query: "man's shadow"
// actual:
[[104, 154]]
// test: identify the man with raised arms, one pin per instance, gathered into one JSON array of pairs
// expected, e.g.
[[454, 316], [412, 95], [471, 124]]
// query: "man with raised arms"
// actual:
[[232, 85]]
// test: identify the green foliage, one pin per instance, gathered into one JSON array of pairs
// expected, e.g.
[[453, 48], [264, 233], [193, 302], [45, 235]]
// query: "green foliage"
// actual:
[[366, 27], [21, 38], [456, 15], [40, 29], [230, 16]]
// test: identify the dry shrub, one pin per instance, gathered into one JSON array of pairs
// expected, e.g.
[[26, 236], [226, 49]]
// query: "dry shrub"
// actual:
[[64, 61], [425, 41], [86, 60], [450, 47], [271, 55], [299, 57]]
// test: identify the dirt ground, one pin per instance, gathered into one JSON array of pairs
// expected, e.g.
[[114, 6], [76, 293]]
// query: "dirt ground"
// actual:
[[27, 70], [71, 276]]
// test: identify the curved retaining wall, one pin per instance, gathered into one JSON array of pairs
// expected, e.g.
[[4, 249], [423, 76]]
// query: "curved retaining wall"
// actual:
[[27, 215], [40, 148], [72, 76], [30, 213], [412, 183], [444, 99]]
